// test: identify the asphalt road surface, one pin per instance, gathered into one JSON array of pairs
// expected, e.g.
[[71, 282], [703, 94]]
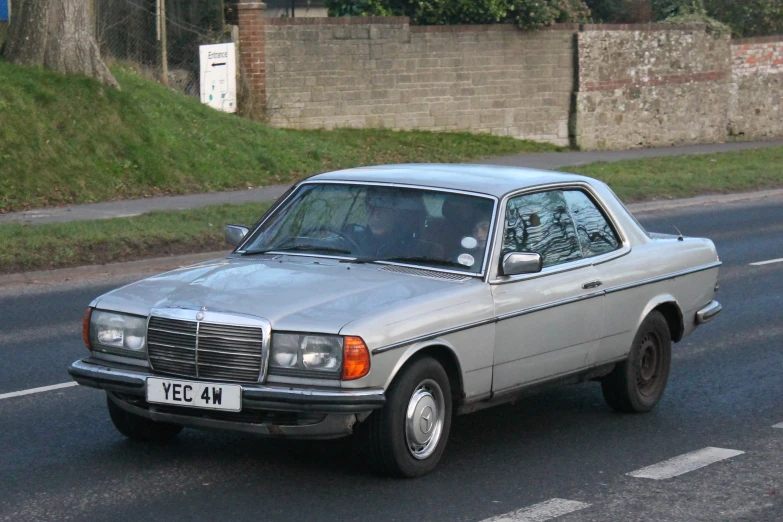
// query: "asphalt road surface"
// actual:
[[562, 453]]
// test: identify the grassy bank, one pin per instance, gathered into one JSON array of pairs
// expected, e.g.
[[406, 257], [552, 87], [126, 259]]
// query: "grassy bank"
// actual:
[[67, 139], [687, 176]]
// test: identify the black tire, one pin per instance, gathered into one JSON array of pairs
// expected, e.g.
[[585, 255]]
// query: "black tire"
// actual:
[[637, 384], [389, 447], [138, 428]]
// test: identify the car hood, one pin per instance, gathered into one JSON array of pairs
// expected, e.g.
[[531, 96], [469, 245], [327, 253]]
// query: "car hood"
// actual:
[[298, 294]]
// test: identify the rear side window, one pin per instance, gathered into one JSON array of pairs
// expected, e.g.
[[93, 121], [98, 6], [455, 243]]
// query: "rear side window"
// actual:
[[596, 235], [541, 223]]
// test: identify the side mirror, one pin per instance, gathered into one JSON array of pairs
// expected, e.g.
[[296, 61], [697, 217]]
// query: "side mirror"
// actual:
[[515, 263], [235, 234]]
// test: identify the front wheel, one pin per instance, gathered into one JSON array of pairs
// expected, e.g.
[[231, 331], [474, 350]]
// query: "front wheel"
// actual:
[[408, 435], [637, 384], [138, 428]]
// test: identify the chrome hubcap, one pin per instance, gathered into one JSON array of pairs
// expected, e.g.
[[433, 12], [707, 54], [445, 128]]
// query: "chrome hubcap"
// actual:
[[650, 362], [424, 419]]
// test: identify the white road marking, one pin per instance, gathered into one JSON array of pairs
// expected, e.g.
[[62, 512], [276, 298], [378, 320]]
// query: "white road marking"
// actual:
[[767, 262], [778, 425], [548, 510], [685, 463], [37, 390]]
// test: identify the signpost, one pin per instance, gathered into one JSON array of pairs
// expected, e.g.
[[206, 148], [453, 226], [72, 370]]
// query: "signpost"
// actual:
[[218, 76], [5, 10]]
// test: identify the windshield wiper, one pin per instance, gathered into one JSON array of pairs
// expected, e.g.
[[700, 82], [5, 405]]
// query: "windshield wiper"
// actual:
[[429, 260], [300, 248]]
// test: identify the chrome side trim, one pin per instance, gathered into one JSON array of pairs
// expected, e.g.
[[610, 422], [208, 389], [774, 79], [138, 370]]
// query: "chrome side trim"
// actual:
[[555, 304], [658, 279], [487, 321], [540, 308], [708, 313]]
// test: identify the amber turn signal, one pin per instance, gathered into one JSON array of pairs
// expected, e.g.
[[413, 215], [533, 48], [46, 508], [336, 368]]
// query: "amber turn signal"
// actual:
[[86, 328], [356, 359]]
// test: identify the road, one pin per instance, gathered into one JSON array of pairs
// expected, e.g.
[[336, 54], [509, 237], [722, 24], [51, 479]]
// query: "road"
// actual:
[[62, 460]]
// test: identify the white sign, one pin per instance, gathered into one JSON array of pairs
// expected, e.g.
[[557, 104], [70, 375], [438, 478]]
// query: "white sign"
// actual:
[[219, 76]]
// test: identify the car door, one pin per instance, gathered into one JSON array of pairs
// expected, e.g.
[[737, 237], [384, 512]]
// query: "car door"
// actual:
[[549, 323]]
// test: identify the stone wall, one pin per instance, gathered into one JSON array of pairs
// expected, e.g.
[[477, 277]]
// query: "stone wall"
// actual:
[[365, 72], [651, 85], [596, 86], [756, 103]]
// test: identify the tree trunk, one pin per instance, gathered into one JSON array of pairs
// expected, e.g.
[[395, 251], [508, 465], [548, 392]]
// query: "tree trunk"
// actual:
[[58, 35]]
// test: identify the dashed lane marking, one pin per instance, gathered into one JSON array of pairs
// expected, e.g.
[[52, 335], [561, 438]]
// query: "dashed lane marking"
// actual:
[[38, 390], [685, 463], [548, 510], [778, 425], [767, 262]]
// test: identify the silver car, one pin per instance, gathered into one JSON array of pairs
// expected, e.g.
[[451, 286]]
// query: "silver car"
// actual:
[[383, 301]]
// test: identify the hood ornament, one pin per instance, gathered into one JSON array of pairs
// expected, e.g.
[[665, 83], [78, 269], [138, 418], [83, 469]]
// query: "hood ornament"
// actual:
[[200, 315]]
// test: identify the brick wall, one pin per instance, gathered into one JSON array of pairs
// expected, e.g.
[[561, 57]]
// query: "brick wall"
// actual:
[[365, 72], [756, 102], [252, 59], [651, 85]]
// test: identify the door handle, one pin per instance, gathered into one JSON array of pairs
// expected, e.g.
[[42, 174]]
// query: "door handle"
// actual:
[[592, 284]]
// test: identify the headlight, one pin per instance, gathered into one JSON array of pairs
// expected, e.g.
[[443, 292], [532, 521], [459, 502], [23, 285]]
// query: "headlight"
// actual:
[[306, 355], [119, 334]]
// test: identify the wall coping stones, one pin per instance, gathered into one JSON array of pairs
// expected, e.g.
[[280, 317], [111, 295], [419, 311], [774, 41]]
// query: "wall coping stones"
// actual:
[[757, 40], [341, 20], [644, 27]]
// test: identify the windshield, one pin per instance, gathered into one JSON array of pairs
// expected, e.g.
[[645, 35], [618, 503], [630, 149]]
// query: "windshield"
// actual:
[[426, 228]]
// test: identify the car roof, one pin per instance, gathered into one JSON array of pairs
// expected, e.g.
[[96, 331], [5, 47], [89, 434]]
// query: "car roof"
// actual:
[[486, 179]]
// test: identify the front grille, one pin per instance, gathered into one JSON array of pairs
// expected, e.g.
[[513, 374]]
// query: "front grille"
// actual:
[[205, 350]]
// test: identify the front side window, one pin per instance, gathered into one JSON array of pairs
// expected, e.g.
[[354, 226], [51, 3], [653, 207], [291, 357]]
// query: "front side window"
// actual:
[[595, 233], [428, 228], [540, 223]]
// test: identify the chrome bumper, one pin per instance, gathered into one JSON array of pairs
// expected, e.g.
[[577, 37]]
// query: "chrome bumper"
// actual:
[[323, 413], [708, 313]]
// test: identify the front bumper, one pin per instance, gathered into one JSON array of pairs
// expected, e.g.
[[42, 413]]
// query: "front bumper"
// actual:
[[266, 410]]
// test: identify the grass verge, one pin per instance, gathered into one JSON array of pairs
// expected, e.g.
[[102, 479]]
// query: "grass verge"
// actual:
[[46, 246], [686, 176], [157, 234], [68, 139]]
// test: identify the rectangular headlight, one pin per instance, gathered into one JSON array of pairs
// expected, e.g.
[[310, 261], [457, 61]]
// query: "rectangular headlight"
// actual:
[[306, 355], [118, 334]]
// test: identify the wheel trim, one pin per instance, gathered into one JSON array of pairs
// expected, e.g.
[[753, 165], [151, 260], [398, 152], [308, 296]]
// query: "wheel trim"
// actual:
[[649, 365], [424, 419]]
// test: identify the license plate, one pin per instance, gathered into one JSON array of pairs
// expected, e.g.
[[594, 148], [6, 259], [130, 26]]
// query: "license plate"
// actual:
[[227, 397]]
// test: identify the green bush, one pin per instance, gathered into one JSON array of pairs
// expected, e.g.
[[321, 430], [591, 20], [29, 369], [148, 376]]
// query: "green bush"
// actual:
[[528, 14], [748, 17], [357, 8], [534, 14], [446, 12]]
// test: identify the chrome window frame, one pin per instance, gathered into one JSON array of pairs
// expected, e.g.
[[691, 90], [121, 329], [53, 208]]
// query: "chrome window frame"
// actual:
[[483, 274], [496, 279]]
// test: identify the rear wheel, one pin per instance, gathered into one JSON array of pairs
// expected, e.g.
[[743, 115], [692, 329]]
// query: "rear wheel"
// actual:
[[138, 428], [637, 384], [408, 435]]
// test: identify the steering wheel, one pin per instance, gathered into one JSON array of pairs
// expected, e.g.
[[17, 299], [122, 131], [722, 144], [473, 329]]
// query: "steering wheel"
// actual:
[[342, 235]]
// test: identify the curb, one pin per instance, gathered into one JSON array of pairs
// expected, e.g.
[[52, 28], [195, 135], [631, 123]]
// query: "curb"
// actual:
[[89, 272], [718, 199], [160, 264]]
